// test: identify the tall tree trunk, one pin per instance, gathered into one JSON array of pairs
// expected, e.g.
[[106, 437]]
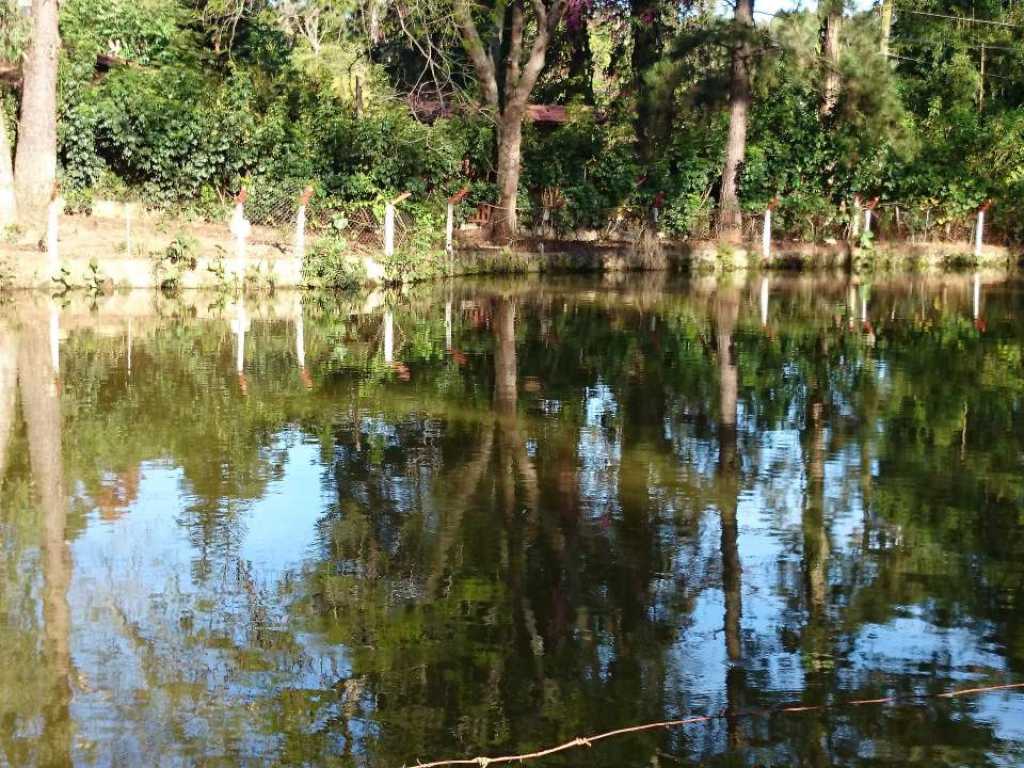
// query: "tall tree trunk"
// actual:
[[581, 60], [730, 217], [506, 88], [886, 26], [40, 399], [35, 166], [510, 140], [8, 208], [646, 52], [830, 30]]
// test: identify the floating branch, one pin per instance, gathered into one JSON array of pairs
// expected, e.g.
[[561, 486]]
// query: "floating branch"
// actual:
[[588, 741]]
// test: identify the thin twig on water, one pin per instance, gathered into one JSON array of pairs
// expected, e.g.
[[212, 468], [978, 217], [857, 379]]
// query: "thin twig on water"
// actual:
[[589, 741]]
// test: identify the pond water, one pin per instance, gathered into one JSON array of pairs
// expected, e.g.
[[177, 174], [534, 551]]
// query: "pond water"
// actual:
[[490, 517]]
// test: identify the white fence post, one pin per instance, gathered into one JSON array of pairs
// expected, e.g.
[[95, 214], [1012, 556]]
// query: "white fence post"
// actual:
[[979, 228], [240, 228], [449, 230], [53, 232], [300, 223], [389, 224]]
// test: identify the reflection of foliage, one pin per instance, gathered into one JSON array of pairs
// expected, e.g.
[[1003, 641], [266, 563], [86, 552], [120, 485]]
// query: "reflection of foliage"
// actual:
[[508, 564]]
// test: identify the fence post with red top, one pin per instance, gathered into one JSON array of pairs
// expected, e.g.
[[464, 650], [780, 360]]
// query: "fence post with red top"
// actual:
[[657, 205]]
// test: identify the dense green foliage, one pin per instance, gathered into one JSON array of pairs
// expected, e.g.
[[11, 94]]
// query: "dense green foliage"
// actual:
[[196, 98]]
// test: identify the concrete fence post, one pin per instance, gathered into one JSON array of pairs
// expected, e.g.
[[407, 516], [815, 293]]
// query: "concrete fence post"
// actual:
[[53, 212], [240, 229], [766, 229], [300, 223], [449, 230], [389, 224], [979, 228]]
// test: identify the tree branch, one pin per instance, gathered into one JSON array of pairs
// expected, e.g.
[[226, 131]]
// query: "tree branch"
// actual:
[[482, 61]]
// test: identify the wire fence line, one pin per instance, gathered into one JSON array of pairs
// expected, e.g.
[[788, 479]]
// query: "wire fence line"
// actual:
[[363, 225]]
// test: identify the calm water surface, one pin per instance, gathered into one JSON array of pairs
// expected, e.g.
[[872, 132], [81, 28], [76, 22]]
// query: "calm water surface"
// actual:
[[491, 517]]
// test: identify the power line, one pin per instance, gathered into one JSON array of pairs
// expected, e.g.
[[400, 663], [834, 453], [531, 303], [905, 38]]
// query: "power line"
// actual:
[[965, 19], [932, 63]]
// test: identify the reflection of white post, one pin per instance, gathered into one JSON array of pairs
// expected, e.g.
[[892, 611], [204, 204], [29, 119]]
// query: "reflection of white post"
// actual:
[[130, 340], [55, 338], [449, 230], [863, 304], [238, 325], [764, 301], [979, 232], [766, 234], [389, 336], [53, 235], [977, 295], [448, 325], [300, 334]]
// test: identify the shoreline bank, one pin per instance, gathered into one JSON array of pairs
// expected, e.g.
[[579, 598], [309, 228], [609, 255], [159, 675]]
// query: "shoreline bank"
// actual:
[[97, 256]]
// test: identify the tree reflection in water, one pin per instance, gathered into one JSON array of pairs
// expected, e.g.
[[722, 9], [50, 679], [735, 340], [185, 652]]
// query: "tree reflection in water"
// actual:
[[555, 509]]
